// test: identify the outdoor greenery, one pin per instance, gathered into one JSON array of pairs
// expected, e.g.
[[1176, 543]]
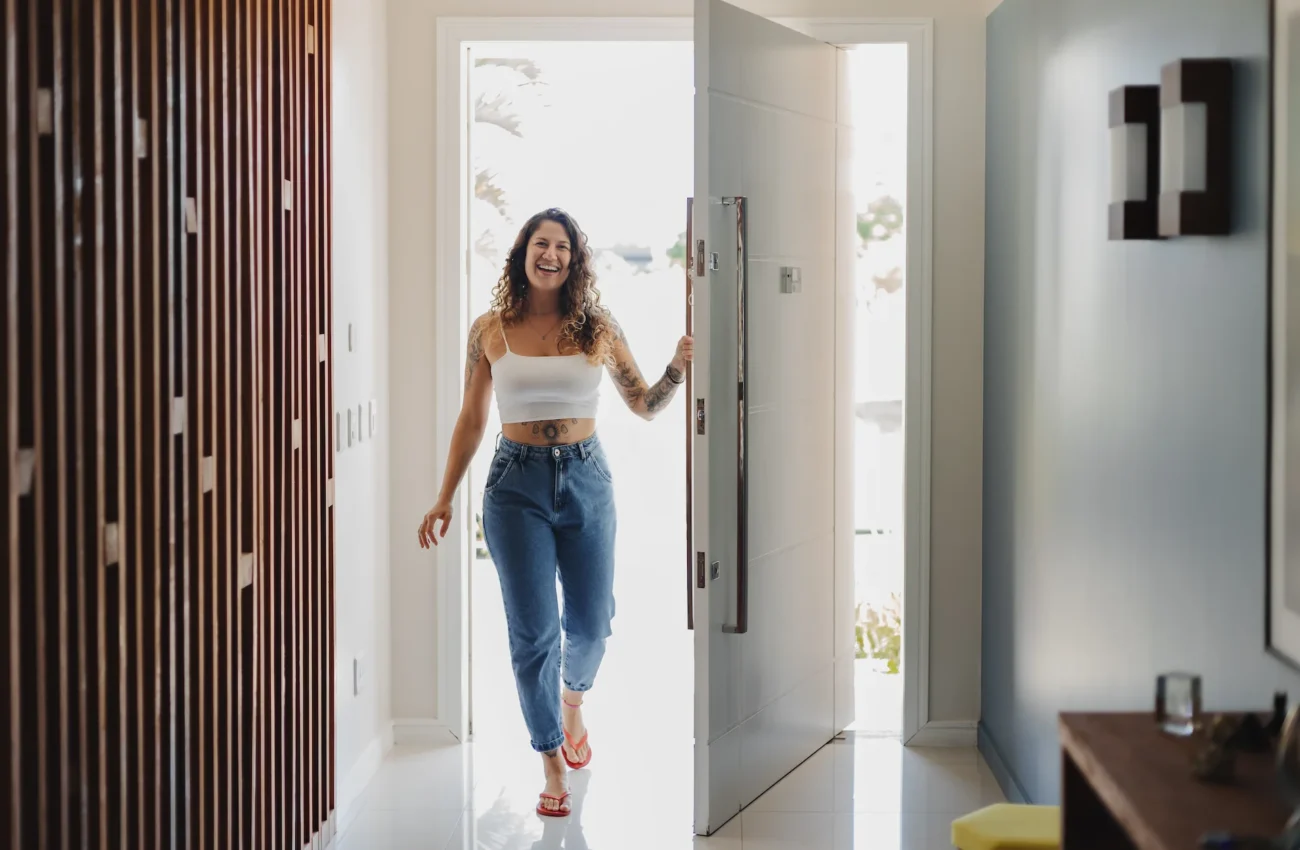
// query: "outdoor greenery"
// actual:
[[677, 253], [879, 632], [881, 222]]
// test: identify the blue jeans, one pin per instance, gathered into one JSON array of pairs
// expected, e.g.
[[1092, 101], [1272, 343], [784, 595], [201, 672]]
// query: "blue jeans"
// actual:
[[549, 508]]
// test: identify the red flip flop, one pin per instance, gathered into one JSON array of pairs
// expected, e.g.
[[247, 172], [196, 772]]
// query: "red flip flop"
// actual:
[[553, 813], [575, 765]]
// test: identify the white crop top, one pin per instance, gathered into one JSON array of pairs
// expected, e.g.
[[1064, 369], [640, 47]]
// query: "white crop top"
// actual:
[[534, 389]]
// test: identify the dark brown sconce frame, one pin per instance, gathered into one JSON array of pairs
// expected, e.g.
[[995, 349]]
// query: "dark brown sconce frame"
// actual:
[[1205, 210], [1136, 218]]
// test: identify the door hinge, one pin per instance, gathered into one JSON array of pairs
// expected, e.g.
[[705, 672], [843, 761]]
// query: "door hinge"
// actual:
[[699, 416], [699, 570]]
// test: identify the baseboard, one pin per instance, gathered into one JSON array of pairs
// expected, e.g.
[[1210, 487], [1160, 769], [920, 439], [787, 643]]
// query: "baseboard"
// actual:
[[363, 770], [946, 733], [1011, 787], [423, 730]]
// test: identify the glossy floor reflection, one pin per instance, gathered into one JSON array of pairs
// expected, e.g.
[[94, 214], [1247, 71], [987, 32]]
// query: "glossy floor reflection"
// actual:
[[852, 795]]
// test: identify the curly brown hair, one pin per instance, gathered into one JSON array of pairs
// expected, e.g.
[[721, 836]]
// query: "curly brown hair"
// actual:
[[584, 325]]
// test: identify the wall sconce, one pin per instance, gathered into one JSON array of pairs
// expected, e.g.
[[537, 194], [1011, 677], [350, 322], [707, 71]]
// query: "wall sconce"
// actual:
[[1134, 162], [1195, 147]]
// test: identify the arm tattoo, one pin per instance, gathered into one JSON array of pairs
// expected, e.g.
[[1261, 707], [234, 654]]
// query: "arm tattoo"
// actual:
[[630, 383], [474, 353], [658, 396], [635, 391], [632, 386]]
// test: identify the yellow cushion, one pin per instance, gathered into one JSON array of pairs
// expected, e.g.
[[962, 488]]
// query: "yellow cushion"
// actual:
[[1007, 826]]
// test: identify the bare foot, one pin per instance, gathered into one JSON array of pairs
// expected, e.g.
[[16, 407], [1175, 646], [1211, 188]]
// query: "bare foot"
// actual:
[[555, 798], [574, 727]]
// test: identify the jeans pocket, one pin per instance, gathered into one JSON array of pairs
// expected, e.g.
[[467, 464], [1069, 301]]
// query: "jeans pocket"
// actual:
[[601, 464], [501, 466]]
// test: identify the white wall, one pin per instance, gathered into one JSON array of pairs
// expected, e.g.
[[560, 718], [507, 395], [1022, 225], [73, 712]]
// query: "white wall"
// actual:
[[958, 322], [359, 171]]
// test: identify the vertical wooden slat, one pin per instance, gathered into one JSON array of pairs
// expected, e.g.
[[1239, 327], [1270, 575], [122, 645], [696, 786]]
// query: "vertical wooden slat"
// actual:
[[260, 779], [222, 353], [62, 502], [295, 230], [11, 826], [114, 672], [263, 779], [244, 448], [95, 753], [79, 286], [191, 321], [175, 502], [276, 431], [40, 36]]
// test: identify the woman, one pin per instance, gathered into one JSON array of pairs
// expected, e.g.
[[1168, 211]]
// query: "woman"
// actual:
[[548, 500]]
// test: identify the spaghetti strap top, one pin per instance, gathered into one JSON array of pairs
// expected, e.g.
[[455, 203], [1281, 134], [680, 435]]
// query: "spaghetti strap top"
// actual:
[[535, 389]]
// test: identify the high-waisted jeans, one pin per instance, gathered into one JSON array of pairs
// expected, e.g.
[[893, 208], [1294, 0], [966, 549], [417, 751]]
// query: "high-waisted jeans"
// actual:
[[549, 508]]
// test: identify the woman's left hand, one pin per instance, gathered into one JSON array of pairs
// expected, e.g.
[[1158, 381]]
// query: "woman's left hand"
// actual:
[[685, 353]]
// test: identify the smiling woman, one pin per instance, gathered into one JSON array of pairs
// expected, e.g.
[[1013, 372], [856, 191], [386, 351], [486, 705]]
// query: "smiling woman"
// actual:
[[549, 496]]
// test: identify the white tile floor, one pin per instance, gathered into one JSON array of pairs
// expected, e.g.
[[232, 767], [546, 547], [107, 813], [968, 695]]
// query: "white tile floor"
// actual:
[[861, 793]]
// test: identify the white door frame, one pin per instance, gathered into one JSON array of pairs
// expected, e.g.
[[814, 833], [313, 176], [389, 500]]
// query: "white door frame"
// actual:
[[455, 35]]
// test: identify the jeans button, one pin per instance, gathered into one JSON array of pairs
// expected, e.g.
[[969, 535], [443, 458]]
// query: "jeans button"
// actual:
[[556, 452]]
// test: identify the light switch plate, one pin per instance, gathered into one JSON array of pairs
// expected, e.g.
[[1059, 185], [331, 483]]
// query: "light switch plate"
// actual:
[[791, 280]]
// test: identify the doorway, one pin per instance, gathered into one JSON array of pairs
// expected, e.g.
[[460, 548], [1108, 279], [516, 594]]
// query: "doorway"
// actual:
[[542, 131], [890, 451]]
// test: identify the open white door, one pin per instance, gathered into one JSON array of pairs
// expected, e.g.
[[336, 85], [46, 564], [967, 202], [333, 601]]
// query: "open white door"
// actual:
[[771, 230]]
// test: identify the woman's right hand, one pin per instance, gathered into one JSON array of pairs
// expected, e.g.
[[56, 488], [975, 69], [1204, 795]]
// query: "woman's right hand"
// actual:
[[440, 512]]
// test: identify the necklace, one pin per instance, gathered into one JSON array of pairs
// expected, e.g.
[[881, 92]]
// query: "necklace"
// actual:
[[549, 331]]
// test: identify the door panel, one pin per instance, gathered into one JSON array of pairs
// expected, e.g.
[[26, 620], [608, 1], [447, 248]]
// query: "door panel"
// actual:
[[768, 131]]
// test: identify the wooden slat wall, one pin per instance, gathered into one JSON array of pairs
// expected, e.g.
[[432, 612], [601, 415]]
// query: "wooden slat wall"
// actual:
[[164, 332]]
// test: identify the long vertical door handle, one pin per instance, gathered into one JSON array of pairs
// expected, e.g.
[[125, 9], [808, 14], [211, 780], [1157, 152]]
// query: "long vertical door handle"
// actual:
[[742, 452], [690, 417]]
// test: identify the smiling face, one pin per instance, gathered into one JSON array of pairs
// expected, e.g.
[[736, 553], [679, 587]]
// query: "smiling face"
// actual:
[[547, 259]]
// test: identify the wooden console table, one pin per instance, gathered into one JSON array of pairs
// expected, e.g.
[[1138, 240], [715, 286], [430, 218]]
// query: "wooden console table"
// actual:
[[1127, 786]]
